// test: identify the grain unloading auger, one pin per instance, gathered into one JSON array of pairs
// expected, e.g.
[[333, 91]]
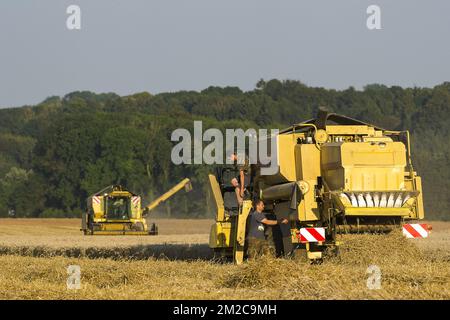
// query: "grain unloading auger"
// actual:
[[335, 174], [117, 211]]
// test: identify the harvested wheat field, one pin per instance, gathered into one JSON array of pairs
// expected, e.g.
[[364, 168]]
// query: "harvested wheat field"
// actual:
[[177, 264]]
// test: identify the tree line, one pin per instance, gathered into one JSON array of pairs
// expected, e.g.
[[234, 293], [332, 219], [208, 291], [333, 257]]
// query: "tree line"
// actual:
[[55, 154]]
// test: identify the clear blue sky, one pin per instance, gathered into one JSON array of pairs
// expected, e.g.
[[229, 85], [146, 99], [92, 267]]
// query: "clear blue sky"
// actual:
[[169, 45]]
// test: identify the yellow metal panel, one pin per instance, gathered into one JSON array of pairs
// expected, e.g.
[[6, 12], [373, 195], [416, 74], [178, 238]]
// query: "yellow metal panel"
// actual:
[[419, 202], [120, 194], [238, 250], [308, 209], [286, 160], [331, 165], [286, 144], [364, 166], [373, 154], [220, 235], [418, 212], [313, 255], [377, 139], [136, 209], [115, 226], [98, 208], [377, 211], [242, 221], [350, 130], [374, 179], [217, 198], [307, 162], [120, 232]]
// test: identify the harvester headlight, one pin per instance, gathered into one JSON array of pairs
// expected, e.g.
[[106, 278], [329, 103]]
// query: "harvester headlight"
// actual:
[[321, 136], [303, 186]]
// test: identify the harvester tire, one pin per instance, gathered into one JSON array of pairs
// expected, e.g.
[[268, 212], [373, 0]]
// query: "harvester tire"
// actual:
[[153, 229], [138, 226]]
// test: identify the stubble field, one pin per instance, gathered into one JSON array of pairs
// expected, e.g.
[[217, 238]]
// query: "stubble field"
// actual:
[[177, 264]]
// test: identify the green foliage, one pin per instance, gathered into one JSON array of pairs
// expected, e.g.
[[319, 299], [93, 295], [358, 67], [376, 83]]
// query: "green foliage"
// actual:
[[55, 154], [58, 213], [23, 192]]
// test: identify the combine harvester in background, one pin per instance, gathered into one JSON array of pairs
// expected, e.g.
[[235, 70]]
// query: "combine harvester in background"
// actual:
[[335, 175], [117, 211]]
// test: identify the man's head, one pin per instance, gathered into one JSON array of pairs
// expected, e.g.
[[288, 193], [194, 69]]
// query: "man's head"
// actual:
[[234, 183], [259, 205]]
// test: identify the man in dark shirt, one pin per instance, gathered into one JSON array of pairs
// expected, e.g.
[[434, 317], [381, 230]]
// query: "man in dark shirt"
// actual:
[[256, 239]]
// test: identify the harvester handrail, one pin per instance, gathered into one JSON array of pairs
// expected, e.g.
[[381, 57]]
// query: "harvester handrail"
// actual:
[[307, 125], [303, 125]]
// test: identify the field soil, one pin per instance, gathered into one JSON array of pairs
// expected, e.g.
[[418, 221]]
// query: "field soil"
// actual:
[[178, 264]]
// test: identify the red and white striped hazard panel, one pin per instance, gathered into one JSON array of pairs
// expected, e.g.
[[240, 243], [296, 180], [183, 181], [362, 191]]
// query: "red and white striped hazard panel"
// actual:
[[135, 200], [312, 234], [96, 199], [416, 230]]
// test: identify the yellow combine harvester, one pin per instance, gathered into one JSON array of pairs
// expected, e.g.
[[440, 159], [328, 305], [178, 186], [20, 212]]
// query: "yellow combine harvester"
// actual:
[[335, 174], [117, 211]]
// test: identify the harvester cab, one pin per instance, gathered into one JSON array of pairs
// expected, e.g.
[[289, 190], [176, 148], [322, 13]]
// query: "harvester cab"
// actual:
[[114, 210], [118, 211], [335, 174]]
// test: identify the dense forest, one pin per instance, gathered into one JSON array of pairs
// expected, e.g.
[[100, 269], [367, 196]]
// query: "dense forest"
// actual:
[[55, 154]]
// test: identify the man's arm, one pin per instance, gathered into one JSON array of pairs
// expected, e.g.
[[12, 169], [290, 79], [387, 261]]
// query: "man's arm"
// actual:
[[273, 222], [269, 222], [238, 196]]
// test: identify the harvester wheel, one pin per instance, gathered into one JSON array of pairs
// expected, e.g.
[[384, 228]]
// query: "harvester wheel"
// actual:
[[332, 252], [153, 229], [138, 226], [315, 261], [221, 256]]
